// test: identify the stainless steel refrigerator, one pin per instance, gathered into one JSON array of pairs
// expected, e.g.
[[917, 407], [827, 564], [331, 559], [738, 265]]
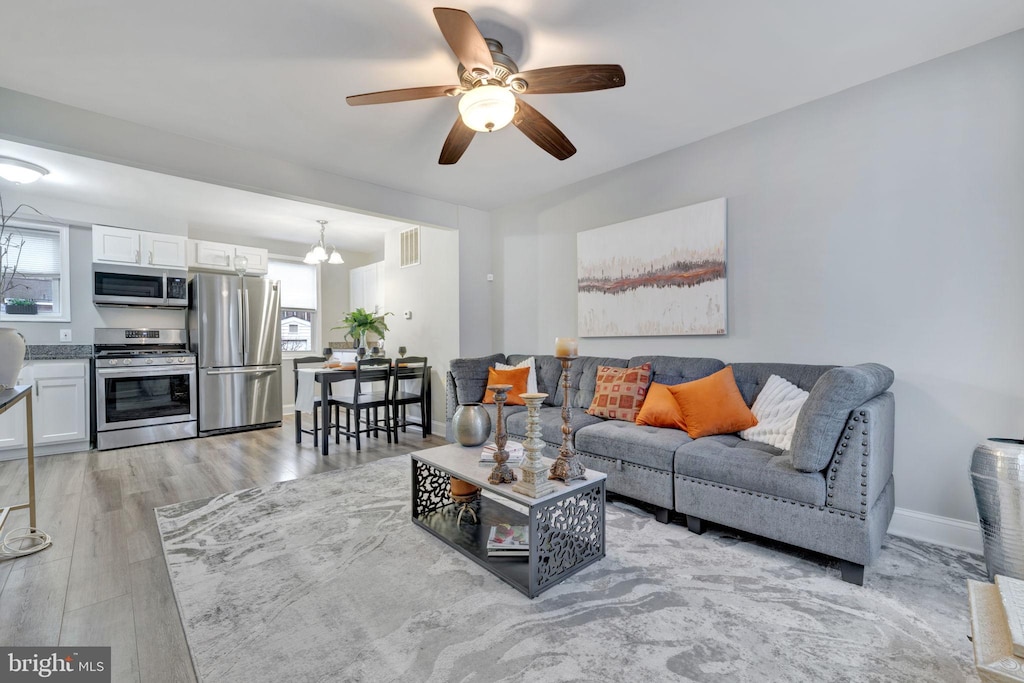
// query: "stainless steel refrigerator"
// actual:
[[234, 326]]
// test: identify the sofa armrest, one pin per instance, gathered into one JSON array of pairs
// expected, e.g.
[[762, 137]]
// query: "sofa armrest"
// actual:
[[861, 464]]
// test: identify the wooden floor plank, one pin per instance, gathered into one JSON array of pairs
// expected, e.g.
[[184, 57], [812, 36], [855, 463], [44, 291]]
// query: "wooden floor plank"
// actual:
[[112, 623], [163, 655], [32, 603], [99, 570], [58, 517]]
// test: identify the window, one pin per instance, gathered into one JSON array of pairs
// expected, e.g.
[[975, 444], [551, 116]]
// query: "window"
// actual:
[[34, 268], [298, 304]]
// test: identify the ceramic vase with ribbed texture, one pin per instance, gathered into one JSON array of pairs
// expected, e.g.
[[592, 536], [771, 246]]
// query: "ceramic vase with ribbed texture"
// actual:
[[471, 424], [12, 356]]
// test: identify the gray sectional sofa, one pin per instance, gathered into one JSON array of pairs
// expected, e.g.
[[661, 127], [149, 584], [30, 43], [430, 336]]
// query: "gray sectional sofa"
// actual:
[[832, 492]]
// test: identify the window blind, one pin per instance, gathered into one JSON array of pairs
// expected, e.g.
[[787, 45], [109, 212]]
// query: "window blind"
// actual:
[[36, 252], [298, 284]]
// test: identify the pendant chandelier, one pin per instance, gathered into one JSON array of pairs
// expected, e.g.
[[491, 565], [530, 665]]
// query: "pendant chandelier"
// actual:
[[318, 252]]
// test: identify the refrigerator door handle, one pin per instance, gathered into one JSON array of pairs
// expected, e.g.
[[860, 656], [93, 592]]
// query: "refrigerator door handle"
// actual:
[[243, 371], [245, 324], [241, 321]]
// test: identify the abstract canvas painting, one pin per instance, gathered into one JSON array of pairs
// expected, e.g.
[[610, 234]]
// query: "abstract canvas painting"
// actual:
[[657, 275]]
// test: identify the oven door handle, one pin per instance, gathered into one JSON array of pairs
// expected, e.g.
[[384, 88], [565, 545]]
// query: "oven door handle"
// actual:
[[244, 371], [145, 371]]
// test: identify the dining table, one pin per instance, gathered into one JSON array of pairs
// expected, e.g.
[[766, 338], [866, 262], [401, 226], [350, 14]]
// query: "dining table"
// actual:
[[325, 377]]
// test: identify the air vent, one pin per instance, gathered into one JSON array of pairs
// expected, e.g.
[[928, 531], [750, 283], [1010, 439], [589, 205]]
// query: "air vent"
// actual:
[[410, 247]]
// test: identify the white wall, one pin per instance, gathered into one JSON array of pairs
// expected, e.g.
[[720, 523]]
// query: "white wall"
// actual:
[[884, 223], [431, 292]]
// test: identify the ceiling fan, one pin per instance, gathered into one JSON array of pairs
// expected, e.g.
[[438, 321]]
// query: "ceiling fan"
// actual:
[[490, 84]]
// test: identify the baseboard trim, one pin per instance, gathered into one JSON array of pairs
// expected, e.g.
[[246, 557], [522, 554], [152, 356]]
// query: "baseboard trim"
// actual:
[[947, 531]]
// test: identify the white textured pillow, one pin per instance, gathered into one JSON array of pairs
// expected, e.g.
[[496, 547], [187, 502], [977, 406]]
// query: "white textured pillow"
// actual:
[[776, 409], [531, 381]]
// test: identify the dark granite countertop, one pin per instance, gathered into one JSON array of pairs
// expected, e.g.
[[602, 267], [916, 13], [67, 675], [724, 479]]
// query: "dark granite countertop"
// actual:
[[57, 351]]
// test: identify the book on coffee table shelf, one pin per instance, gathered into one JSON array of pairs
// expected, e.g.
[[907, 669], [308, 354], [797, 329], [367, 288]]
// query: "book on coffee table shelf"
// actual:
[[515, 451], [507, 540]]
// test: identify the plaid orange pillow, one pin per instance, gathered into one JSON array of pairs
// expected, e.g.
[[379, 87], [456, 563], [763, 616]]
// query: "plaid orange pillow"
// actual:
[[620, 392]]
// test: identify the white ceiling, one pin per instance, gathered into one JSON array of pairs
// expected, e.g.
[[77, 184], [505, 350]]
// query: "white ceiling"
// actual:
[[272, 76]]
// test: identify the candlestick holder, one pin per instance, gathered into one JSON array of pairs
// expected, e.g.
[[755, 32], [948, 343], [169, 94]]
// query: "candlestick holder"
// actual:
[[533, 483], [566, 467], [502, 473]]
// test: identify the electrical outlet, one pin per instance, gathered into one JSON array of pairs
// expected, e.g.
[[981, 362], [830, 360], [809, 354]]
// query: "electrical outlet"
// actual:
[[490, 277], [407, 315], [65, 335]]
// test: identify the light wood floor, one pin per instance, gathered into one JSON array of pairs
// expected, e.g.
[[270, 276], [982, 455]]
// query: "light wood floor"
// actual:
[[104, 581]]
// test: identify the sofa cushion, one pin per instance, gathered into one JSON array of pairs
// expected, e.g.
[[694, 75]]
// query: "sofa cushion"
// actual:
[[470, 375], [517, 377], [660, 409], [549, 374], [530, 362], [712, 405], [674, 370], [506, 412], [641, 445], [550, 423], [583, 380], [833, 396], [751, 377], [776, 409], [761, 468], [620, 392]]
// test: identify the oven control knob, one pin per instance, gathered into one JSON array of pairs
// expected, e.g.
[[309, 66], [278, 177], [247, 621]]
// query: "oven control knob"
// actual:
[[149, 361], [112, 361], [169, 360], [182, 359], [126, 361]]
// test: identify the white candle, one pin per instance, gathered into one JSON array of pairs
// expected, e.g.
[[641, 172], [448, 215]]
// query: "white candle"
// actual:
[[566, 347]]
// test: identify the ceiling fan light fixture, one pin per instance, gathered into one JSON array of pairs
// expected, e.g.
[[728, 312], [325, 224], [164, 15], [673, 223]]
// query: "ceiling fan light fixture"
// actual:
[[21, 172], [487, 108]]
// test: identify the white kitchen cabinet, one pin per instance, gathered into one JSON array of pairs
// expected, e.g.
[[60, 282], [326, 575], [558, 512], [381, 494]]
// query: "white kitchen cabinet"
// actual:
[[218, 256], [164, 251], [115, 245], [60, 409], [138, 247], [366, 287]]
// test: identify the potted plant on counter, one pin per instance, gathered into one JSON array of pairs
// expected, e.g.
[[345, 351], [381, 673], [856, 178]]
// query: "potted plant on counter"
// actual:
[[360, 322]]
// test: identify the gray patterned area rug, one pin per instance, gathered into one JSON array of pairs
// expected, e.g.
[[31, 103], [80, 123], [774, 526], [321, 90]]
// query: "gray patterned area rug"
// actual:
[[326, 579]]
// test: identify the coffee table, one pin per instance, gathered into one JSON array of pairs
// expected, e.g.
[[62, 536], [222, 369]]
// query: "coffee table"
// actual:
[[567, 527]]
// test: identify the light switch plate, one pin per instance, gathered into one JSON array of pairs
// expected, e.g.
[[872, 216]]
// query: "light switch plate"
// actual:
[[407, 315], [65, 335]]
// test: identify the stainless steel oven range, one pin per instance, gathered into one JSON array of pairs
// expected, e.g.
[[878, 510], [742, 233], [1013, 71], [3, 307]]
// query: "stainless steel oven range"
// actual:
[[145, 387]]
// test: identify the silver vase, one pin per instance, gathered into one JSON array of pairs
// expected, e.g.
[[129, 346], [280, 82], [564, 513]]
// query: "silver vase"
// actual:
[[997, 473], [471, 424]]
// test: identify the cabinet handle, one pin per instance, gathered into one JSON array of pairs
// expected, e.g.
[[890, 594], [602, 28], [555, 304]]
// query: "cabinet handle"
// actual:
[[37, 388], [137, 255], [150, 258]]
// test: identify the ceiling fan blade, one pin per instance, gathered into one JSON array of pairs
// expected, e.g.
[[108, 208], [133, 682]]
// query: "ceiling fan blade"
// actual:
[[544, 133], [403, 94], [576, 78], [465, 40], [456, 143]]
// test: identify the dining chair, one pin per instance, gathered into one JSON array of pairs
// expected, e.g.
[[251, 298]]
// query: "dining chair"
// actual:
[[408, 370], [372, 391], [313, 362]]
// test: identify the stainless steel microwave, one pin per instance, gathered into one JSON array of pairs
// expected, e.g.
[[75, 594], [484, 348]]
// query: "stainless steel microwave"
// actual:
[[139, 286]]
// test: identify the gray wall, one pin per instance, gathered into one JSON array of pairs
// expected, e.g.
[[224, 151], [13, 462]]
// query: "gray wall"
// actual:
[[884, 223]]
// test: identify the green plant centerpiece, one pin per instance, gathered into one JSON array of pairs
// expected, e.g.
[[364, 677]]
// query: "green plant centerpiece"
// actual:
[[359, 322], [22, 307]]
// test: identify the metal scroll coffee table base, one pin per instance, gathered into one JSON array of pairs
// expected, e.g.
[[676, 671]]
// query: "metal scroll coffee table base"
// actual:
[[567, 527]]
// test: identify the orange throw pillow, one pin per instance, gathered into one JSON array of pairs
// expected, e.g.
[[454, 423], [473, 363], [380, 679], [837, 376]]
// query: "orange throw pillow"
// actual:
[[660, 409], [713, 405], [517, 378], [620, 392]]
